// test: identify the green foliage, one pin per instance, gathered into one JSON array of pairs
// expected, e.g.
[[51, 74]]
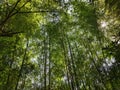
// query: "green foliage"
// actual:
[[113, 5], [59, 45]]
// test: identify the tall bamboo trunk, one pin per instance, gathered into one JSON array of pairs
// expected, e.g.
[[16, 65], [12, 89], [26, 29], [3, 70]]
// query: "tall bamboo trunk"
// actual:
[[23, 61], [45, 61], [13, 58], [49, 88], [95, 65], [68, 67], [76, 83]]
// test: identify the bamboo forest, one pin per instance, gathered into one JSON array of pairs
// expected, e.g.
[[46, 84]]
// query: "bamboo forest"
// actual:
[[59, 44]]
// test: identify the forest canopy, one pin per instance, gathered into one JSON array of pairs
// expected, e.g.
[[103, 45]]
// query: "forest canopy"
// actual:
[[59, 45]]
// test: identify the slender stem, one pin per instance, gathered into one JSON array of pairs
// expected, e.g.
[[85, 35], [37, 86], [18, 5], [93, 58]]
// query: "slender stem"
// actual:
[[23, 61]]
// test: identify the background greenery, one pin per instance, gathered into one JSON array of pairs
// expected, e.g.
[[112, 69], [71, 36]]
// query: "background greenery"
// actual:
[[59, 45]]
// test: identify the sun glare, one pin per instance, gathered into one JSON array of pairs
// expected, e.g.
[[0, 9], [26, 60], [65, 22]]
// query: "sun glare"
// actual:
[[103, 24]]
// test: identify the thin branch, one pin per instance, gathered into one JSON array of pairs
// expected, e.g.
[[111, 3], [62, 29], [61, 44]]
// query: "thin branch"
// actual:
[[9, 34], [11, 12], [9, 15], [40, 11]]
